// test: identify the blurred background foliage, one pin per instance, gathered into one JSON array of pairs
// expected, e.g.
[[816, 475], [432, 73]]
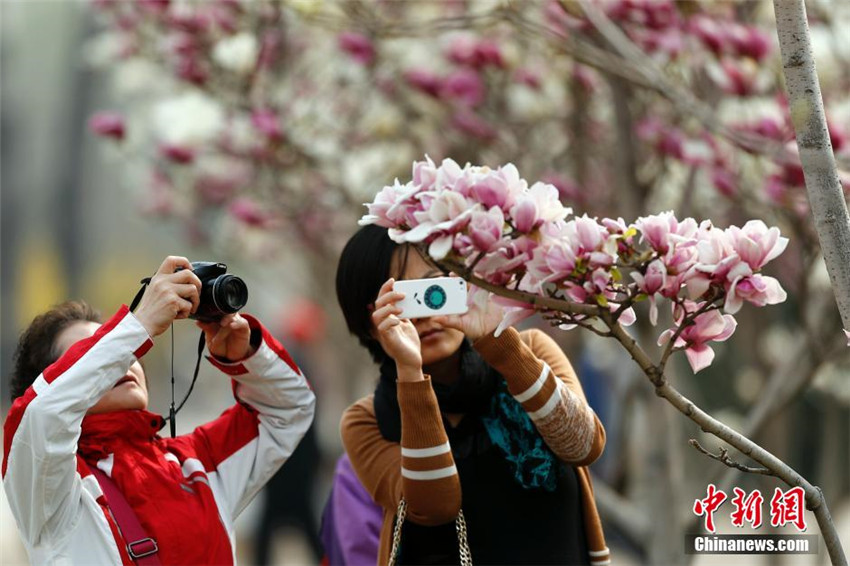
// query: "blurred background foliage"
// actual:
[[252, 132]]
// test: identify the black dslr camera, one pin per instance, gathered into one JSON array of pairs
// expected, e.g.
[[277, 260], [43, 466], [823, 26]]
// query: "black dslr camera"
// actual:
[[221, 293]]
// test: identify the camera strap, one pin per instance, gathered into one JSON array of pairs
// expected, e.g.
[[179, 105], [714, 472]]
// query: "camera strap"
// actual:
[[141, 292], [172, 411]]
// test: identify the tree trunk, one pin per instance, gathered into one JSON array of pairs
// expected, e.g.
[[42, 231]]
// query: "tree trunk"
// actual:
[[826, 197]]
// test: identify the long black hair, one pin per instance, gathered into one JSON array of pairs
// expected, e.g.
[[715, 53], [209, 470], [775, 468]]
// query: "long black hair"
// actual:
[[364, 266]]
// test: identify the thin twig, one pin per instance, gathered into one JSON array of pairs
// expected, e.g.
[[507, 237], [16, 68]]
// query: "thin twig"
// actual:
[[723, 458]]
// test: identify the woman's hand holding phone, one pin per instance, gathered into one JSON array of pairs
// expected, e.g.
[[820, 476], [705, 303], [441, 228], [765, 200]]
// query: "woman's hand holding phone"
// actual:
[[477, 322], [398, 337]]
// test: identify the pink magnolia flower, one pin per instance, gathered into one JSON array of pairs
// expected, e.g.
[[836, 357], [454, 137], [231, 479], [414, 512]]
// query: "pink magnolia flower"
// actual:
[[652, 282], [757, 289], [508, 255], [710, 32], [155, 6], [528, 77], [496, 187], [176, 153], [756, 244], [270, 49], [488, 53], [358, 46], [475, 53], [485, 228], [462, 50], [656, 229], [724, 181], [424, 81], [514, 312], [541, 203], [711, 326], [473, 125], [752, 42], [389, 209], [267, 122], [444, 216], [249, 212], [567, 189], [449, 175], [552, 261], [464, 86], [108, 125], [190, 69], [425, 173]]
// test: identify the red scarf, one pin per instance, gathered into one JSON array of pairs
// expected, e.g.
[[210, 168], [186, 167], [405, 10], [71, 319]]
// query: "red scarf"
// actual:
[[182, 516]]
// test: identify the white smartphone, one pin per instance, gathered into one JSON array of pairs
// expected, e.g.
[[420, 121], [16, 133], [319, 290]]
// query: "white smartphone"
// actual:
[[436, 296]]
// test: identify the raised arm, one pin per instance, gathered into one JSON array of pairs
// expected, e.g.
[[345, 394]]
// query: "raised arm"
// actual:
[[248, 443], [540, 377], [43, 426], [421, 468]]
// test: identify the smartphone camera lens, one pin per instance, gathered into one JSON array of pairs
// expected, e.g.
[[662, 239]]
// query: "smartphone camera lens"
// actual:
[[435, 297]]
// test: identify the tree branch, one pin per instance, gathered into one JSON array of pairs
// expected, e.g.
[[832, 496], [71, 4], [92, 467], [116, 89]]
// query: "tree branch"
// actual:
[[826, 197]]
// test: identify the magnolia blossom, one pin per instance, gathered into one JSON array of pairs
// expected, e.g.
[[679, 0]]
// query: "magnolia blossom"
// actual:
[[522, 238], [358, 46], [188, 120], [755, 244], [108, 125], [711, 326], [757, 289], [652, 282], [387, 209], [540, 204], [237, 53], [486, 227]]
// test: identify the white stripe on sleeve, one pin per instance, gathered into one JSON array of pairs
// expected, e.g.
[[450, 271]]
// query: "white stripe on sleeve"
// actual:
[[535, 387], [429, 474], [425, 452]]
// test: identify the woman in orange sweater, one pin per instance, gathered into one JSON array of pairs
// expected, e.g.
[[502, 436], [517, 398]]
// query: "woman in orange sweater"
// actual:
[[461, 419]]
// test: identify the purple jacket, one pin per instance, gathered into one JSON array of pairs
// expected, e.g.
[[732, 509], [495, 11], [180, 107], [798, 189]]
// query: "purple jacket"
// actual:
[[351, 521]]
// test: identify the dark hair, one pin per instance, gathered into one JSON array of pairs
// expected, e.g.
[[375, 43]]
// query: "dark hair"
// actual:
[[37, 345], [364, 266]]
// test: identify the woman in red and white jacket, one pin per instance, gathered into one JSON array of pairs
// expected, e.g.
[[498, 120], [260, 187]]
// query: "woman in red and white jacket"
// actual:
[[81, 403]]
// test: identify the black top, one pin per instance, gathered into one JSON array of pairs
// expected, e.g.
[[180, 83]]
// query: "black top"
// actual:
[[506, 523]]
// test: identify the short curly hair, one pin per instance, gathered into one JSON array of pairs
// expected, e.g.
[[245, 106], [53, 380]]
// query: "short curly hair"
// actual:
[[37, 345]]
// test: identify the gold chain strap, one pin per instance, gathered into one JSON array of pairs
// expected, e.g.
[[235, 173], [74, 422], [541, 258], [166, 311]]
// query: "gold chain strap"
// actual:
[[400, 514], [463, 545], [460, 525]]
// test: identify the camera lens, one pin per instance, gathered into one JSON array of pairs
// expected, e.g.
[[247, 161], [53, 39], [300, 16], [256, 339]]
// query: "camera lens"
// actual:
[[435, 297], [229, 293]]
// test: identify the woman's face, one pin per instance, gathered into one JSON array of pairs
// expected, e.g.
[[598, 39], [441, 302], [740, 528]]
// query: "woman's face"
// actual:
[[131, 391], [436, 342]]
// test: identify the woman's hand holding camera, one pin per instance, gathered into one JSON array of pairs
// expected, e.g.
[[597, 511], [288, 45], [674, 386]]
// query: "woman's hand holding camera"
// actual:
[[398, 337], [477, 322], [170, 295], [228, 339]]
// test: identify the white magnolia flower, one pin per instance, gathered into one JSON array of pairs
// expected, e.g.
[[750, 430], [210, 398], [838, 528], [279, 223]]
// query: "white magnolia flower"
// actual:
[[237, 53], [189, 119]]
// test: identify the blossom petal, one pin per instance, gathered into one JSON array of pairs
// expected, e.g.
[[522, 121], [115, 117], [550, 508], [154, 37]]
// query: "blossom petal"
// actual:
[[699, 356], [512, 316], [440, 247]]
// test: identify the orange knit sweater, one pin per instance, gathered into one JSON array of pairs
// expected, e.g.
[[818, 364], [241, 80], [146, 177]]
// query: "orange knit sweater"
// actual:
[[421, 468]]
